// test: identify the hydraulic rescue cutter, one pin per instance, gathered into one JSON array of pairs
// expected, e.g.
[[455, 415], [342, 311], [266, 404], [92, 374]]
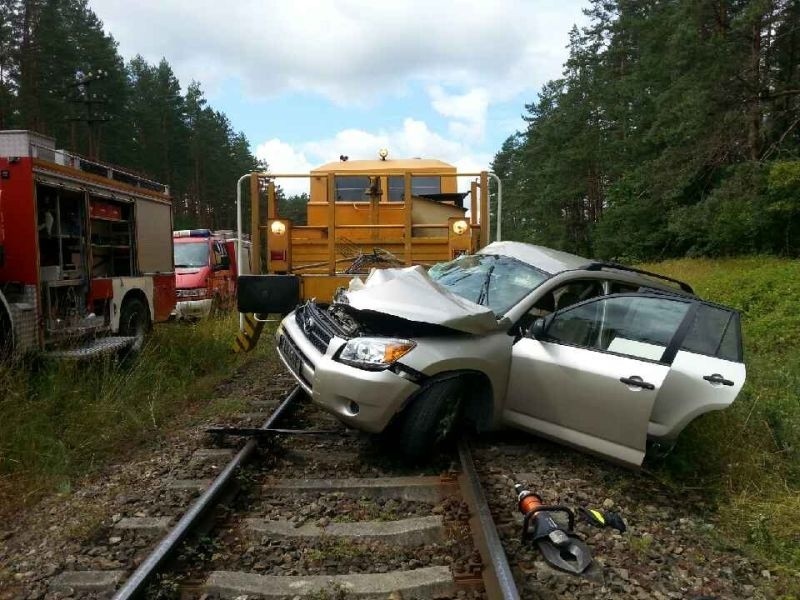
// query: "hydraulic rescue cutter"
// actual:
[[560, 546]]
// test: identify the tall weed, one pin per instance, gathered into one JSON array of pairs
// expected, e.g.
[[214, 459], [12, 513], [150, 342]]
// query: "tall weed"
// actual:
[[60, 419], [748, 456]]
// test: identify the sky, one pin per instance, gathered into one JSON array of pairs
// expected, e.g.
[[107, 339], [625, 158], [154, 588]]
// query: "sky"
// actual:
[[309, 80]]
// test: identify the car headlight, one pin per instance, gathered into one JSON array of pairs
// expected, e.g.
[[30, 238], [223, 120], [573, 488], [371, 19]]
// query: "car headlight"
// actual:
[[374, 353]]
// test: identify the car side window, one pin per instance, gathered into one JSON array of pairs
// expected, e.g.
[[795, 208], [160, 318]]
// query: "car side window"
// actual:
[[636, 326], [567, 295], [618, 287], [714, 332]]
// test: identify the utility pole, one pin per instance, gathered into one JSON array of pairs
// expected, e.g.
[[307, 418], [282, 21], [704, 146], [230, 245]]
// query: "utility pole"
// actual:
[[90, 100]]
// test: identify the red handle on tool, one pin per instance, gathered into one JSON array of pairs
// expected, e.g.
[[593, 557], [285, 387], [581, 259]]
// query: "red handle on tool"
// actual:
[[526, 499]]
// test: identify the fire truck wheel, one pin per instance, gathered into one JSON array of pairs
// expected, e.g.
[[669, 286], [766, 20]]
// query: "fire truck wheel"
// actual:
[[431, 419], [134, 320], [6, 338]]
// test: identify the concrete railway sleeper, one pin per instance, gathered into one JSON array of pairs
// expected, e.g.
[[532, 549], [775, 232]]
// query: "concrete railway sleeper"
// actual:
[[316, 516]]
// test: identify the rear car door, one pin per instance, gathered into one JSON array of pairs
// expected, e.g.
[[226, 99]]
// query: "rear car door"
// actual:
[[707, 373], [592, 378]]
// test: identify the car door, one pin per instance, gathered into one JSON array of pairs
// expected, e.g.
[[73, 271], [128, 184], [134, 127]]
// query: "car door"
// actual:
[[707, 373], [592, 377]]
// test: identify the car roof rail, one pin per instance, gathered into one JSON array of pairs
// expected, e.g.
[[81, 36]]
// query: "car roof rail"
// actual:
[[599, 266]]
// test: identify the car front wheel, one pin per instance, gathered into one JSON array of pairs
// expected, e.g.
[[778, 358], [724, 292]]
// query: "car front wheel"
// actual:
[[431, 419]]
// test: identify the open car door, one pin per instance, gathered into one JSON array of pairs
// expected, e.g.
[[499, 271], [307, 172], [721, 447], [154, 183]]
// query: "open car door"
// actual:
[[593, 373]]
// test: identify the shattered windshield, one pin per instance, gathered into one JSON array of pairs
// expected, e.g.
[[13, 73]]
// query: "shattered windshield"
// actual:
[[498, 282], [192, 254]]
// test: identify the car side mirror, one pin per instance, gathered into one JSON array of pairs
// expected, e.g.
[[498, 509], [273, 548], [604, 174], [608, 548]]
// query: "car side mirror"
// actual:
[[537, 329]]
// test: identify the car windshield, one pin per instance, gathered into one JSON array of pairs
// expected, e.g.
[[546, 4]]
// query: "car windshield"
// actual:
[[192, 254], [498, 282]]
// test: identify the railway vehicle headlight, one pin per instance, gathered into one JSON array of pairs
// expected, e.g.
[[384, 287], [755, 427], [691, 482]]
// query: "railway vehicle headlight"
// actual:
[[460, 227], [374, 354], [278, 228]]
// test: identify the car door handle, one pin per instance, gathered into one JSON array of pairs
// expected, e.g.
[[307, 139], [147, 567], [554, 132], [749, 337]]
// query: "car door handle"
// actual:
[[637, 381], [717, 378]]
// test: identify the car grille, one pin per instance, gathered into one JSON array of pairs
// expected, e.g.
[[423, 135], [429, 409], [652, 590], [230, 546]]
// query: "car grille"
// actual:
[[316, 325]]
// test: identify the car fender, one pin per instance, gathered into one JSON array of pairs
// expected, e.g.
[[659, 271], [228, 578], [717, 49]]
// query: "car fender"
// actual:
[[444, 357]]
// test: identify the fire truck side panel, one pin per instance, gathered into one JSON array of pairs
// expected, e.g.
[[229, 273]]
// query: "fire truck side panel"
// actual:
[[100, 290], [154, 237], [163, 296], [18, 222]]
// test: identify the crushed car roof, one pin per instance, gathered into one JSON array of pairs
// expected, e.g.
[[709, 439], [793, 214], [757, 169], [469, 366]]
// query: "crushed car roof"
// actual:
[[546, 259]]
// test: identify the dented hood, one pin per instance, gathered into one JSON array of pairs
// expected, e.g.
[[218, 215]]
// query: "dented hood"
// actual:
[[409, 293]]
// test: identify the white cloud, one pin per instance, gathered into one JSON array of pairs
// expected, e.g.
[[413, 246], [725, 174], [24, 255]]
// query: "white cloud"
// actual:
[[282, 158], [413, 139], [467, 111], [350, 51]]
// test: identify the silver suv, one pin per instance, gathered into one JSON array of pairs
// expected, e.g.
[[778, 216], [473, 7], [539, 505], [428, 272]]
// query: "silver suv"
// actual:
[[598, 356]]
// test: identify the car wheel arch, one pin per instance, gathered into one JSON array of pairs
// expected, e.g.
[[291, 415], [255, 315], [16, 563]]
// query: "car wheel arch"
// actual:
[[479, 404]]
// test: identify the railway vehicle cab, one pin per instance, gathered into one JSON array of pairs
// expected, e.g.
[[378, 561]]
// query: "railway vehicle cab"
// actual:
[[360, 214]]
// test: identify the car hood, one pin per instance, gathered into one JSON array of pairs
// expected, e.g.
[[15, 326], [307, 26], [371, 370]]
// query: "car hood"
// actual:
[[410, 293]]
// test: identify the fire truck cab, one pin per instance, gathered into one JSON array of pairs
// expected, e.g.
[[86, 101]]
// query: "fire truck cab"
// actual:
[[205, 271], [85, 252]]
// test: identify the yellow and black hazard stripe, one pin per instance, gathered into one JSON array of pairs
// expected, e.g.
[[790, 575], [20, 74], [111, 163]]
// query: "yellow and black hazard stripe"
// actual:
[[247, 338]]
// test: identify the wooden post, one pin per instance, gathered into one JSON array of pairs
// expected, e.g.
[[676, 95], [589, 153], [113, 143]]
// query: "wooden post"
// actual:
[[484, 209], [331, 224], [407, 214], [255, 225]]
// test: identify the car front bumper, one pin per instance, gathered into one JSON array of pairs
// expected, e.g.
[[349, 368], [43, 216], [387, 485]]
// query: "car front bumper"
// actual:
[[365, 400], [188, 309]]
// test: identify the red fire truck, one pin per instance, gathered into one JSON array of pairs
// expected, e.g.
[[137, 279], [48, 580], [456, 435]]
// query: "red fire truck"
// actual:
[[206, 270], [85, 252]]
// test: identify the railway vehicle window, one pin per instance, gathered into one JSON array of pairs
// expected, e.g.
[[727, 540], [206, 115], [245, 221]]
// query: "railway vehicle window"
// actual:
[[419, 186], [351, 188]]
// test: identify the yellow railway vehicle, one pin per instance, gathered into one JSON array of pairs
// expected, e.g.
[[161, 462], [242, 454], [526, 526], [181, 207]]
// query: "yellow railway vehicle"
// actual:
[[361, 214]]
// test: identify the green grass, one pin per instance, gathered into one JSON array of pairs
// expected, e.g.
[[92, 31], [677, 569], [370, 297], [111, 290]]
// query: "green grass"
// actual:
[[747, 458], [61, 420]]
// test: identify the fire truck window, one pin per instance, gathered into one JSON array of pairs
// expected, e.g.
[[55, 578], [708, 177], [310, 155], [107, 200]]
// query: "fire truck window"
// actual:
[[351, 189], [419, 187], [191, 254]]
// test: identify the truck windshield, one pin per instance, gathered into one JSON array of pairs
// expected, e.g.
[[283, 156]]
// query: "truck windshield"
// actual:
[[498, 282], [193, 254]]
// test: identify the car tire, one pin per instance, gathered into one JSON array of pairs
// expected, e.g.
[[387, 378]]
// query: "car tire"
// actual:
[[429, 421], [134, 321]]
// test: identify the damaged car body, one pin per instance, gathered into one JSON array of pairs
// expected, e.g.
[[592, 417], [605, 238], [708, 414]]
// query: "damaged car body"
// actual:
[[597, 356]]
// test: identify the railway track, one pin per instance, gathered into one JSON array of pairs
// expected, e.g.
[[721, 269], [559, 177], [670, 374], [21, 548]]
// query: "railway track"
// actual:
[[319, 514]]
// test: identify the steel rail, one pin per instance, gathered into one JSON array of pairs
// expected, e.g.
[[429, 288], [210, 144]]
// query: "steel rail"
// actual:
[[136, 583], [506, 587]]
